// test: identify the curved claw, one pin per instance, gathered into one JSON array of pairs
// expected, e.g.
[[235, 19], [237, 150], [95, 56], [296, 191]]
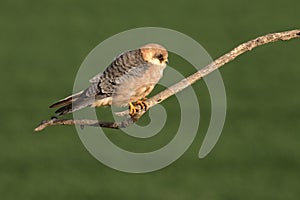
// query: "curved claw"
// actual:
[[132, 109], [133, 106], [143, 104]]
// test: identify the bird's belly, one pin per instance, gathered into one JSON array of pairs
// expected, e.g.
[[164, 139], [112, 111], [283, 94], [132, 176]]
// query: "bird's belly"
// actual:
[[141, 92], [136, 88], [123, 98]]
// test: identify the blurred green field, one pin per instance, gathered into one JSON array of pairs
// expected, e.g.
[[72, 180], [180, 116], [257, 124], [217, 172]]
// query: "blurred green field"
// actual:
[[42, 44]]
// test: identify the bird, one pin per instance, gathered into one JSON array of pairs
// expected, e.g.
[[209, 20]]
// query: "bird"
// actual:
[[127, 81]]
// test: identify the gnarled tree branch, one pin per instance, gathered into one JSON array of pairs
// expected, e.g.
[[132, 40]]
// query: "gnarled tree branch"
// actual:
[[247, 46]]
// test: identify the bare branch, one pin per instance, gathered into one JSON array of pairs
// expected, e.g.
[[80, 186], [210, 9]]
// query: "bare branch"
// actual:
[[84, 122], [247, 46]]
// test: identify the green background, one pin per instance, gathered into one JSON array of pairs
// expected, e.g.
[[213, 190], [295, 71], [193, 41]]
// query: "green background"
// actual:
[[42, 44]]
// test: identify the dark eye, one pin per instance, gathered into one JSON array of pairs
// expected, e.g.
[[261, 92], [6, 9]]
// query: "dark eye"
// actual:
[[160, 57]]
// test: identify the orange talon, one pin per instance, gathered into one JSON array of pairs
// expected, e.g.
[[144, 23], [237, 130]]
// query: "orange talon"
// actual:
[[142, 103], [133, 106], [132, 109]]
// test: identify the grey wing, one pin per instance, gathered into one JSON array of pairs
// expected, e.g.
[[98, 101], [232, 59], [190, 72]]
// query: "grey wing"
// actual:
[[104, 85], [96, 78], [129, 84], [132, 74], [120, 83], [128, 64]]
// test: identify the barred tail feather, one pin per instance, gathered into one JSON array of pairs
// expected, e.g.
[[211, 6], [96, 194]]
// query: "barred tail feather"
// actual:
[[66, 101], [64, 110], [75, 105], [80, 100]]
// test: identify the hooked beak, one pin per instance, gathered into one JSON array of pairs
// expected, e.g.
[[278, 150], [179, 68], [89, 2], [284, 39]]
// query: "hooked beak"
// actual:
[[167, 61]]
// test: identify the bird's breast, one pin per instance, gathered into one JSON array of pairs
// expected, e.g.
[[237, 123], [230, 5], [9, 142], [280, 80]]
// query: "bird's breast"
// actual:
[[134, 88]]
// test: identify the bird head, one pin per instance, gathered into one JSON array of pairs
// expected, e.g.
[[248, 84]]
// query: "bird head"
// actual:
[[155, 54]]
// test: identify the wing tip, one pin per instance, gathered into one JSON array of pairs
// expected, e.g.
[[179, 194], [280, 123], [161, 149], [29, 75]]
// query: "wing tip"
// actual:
[[64, 110], [66, 100], [54, 105]]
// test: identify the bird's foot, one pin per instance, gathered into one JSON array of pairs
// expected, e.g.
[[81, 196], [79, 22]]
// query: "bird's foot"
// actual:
[[133, 107], [142, 103]]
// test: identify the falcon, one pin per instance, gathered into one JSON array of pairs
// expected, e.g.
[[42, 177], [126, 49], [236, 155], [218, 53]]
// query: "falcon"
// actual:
[[126, 81]]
